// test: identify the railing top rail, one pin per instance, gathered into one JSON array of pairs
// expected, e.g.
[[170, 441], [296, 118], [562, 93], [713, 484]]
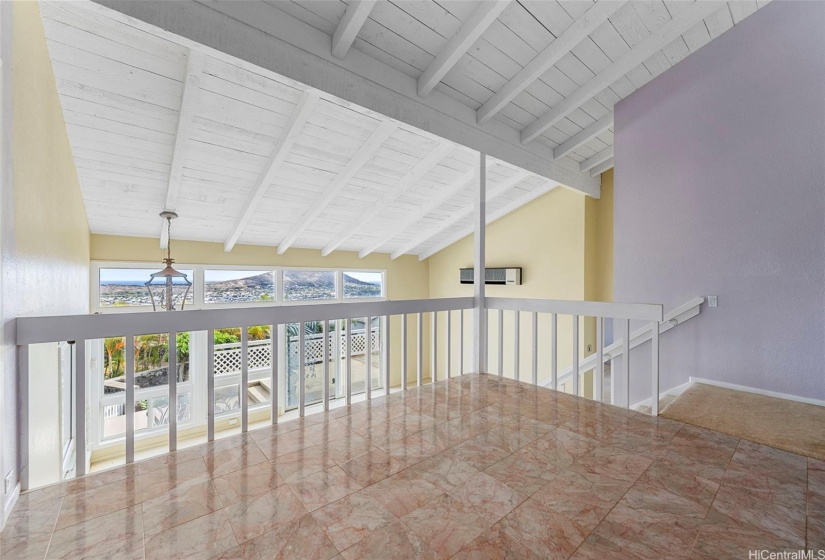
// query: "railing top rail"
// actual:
[[634, 311], [34, 330]]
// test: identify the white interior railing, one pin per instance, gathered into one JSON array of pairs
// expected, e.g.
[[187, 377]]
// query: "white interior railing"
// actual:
[[81, 329], [638, 337], [623, 313]]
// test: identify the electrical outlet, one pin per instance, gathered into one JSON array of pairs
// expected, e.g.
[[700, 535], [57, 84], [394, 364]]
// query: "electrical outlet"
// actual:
[[233, 422], [9, 482], [713, 301], [589, 347]]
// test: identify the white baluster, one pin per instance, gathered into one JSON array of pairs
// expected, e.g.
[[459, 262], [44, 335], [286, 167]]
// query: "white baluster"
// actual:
[[348, 345], [419, 374], [302, 370], [404, 352], [210, 385], [434, 348], [273, 377], [325, 334], [130, 396], [554, 352], [501, 343], [387, 359], [449, 348], [626, 361], [654, 369], [535, 361], [368, 350], [516, 345], [244, 389], [599, 381], [173, 391], [461, 343], [576, 355]]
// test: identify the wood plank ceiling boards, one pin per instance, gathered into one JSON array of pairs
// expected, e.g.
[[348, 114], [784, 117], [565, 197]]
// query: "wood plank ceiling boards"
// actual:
[[352, 125]]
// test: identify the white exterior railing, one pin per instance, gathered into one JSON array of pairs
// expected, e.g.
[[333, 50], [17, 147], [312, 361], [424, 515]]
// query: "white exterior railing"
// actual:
[[230, 365]]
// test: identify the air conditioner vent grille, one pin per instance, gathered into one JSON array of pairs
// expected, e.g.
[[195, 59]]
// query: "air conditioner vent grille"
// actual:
[[496, 276]]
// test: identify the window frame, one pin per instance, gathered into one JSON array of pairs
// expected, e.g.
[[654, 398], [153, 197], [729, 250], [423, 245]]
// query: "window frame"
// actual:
[[199, 291]]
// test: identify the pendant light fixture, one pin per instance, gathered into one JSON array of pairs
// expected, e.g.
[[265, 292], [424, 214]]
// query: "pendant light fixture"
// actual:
[[168, 289]]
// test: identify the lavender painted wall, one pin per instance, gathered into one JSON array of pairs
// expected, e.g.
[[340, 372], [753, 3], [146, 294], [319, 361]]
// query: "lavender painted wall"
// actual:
[[720, 190]]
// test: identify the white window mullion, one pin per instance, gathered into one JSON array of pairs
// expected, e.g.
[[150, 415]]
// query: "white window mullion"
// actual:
[[279, 285], [198, 288]]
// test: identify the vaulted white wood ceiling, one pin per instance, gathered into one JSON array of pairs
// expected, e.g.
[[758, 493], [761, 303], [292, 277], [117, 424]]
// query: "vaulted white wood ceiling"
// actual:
[[247, 155]]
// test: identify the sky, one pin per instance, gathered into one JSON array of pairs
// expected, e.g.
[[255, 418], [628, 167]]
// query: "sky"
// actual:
[[110, 275]]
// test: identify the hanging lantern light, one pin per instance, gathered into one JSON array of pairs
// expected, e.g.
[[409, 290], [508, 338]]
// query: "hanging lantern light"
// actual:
[[168, 288]]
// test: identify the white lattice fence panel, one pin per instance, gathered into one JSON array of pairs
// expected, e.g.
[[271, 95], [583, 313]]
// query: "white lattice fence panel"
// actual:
[[227, 360], [314, 349], [359, 343], [260, 355], [228, 356]]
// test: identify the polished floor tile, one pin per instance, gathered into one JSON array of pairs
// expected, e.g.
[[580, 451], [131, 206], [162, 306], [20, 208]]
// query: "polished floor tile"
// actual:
[[352, 519], [475, 467]]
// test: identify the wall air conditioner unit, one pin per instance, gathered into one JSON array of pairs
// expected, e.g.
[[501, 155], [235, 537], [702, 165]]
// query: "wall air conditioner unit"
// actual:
[[499, 276]]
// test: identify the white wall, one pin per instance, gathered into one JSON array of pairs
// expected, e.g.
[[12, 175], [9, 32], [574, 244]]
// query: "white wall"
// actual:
[[720, 190]]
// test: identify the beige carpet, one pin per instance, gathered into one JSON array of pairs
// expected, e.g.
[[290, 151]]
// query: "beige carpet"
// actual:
[[780, 423]]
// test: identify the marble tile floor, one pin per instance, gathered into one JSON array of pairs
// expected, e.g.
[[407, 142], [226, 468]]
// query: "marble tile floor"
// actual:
[[472, 467]]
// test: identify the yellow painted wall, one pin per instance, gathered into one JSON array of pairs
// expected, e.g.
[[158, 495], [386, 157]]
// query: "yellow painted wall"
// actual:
[[564, 243], [598, 265], [547, 239], [45, 234], [598, 260], [51, 232], [407, 277]]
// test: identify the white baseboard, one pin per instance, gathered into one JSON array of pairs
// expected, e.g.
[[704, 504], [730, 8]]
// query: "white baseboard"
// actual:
[[676, 391], [755, 391], [12, 501]]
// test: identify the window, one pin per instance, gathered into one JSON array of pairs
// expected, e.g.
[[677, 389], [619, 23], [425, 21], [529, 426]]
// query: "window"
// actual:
[[120, 286], [309, 285], [363, 284], [124, 287], [233, 286]]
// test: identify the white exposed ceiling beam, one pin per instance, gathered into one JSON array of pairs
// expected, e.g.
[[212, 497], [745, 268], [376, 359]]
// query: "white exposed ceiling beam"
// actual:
[[357, 13], [657, 40], [585, 136], [293, 129], [596, 159], [257, 33], [492, 193], [578, 31], [491, 217], [466, 180], [601, 168], [364, 154], [186, 114], [416, 174], [478, 22]]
